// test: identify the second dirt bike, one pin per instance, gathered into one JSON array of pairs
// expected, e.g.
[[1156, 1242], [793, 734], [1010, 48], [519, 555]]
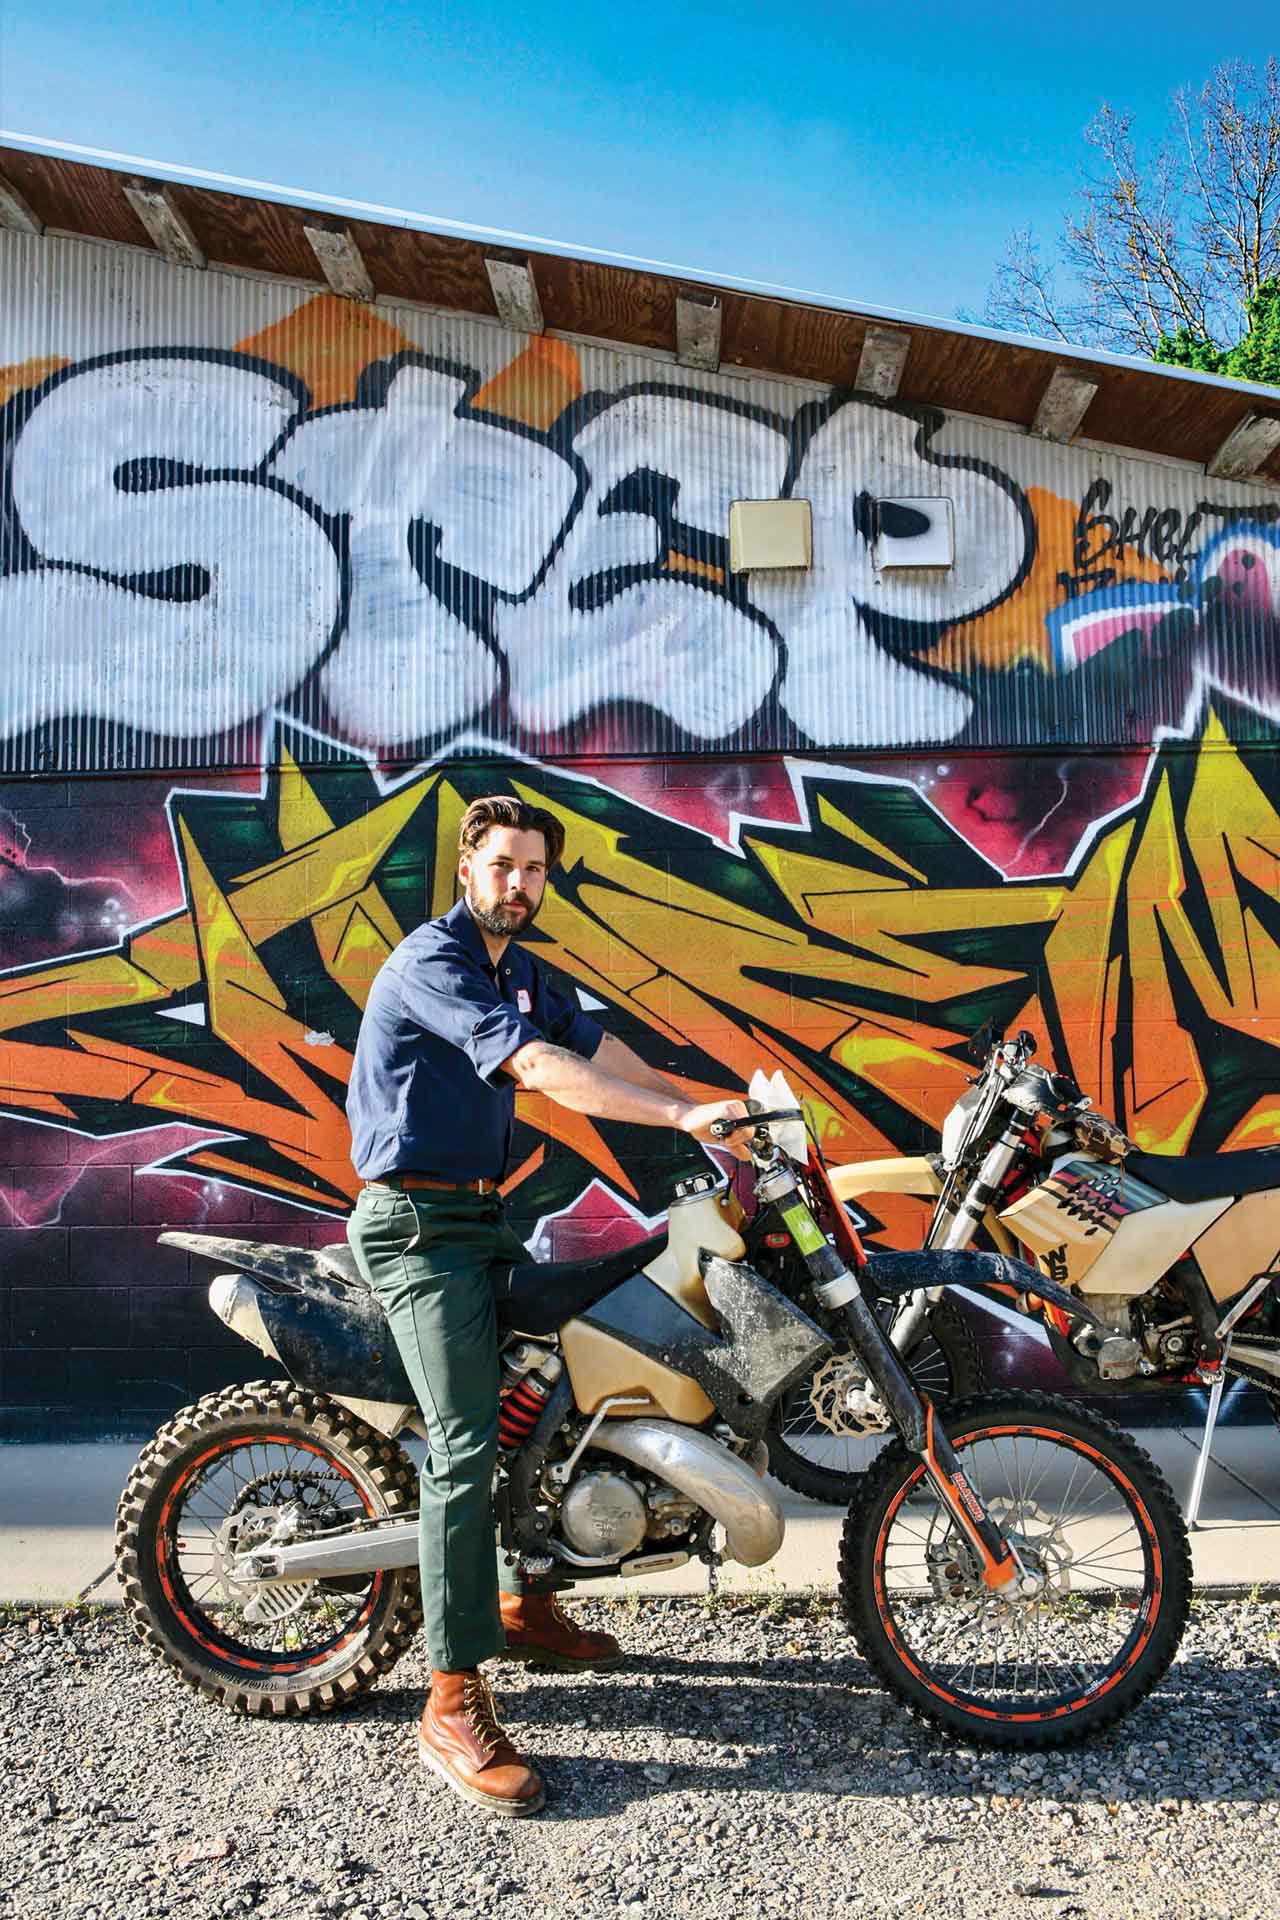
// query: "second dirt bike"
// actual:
[[1013, 1568], [1170, 1261]]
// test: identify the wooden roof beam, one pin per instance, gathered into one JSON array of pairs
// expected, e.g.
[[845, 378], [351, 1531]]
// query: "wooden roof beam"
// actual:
[[1063, 405], [168, 227], [340, 260], [882, 361], [698, 319], [1247, 448], [515, 292], [15, 212]]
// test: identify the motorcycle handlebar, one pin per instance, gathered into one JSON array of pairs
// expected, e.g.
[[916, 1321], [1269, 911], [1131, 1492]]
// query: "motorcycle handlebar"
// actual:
[[725, 1129]]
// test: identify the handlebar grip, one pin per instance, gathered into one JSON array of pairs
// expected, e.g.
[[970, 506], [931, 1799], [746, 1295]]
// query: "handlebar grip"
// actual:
[[721, 1129]]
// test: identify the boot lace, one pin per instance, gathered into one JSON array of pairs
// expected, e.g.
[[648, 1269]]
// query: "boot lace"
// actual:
[[481, 1710]]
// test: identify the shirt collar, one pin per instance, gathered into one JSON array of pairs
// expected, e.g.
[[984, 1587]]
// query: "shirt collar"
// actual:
[[461, 924]]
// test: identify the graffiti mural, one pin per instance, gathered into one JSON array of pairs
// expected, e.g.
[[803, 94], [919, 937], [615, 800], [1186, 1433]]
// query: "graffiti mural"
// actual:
[[400, 546], [280, 593]]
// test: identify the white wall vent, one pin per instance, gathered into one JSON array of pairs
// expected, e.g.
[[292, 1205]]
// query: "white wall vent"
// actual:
[[914, 533]]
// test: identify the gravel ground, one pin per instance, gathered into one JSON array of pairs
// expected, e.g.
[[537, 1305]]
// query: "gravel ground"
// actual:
[[742, 1763]]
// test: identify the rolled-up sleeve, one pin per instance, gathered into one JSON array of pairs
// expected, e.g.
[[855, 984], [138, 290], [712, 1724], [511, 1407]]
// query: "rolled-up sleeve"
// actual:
[[451, 998]]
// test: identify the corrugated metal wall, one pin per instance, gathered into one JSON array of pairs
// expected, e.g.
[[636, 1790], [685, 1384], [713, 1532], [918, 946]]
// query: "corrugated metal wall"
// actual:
[[225, 497]]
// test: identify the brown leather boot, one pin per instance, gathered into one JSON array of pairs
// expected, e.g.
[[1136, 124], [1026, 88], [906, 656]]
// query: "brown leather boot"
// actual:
[[461, 1739], [541, 1634]]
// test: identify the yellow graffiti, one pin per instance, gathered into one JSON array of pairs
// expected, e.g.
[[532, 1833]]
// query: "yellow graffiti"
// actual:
[[850, 954]]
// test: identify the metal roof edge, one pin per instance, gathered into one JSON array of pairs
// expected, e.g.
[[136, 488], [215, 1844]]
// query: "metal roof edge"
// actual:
[[497, 236]]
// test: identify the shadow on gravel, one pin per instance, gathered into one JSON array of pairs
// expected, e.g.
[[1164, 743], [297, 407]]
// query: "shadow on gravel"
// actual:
[[823, 1726]]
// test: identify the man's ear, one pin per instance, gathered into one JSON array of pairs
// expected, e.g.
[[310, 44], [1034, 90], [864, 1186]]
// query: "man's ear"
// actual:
[[464, 869]]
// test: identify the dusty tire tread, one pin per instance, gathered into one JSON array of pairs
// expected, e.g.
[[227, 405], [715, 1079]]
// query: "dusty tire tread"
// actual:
[[886, 1472], [384, 1463]]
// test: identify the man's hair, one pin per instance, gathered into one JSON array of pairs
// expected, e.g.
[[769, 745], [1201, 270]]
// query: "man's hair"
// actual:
[[504, 810]]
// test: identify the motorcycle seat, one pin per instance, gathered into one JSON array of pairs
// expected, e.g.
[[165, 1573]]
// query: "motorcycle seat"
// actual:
[[538, 1296], [341, 1262], [1187, 1178]]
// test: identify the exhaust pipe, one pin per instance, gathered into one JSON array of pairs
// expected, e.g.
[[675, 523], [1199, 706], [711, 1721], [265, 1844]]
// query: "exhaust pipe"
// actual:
[[728, 1488]]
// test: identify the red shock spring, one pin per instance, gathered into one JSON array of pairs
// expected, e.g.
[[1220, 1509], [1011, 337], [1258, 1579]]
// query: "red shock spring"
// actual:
[[519, 1411]]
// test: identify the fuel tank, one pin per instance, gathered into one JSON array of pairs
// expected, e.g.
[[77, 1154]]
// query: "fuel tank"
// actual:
[[1099, 1229]]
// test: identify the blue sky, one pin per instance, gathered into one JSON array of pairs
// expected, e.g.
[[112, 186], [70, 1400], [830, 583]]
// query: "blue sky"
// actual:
[[875, 153]]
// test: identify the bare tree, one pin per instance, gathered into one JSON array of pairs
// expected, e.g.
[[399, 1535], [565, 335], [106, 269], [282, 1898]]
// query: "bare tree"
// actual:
[[1173, 239]]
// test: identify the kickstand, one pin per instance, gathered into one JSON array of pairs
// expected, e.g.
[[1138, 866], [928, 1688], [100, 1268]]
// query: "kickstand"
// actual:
[[1206, 1440]]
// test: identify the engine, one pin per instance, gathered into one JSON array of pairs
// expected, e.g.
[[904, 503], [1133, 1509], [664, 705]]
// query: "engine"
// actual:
[[608, 1513]]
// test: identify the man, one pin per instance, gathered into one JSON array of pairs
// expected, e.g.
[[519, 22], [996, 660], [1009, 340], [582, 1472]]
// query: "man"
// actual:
[[457, 1019]]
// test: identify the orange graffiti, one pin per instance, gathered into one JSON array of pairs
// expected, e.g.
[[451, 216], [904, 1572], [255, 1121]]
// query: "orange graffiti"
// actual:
[[1016, 629], [856, 953]]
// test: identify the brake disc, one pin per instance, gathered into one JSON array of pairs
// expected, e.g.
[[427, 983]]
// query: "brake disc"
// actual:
[[259, 1516], [843, 1400], [1035, 1536]]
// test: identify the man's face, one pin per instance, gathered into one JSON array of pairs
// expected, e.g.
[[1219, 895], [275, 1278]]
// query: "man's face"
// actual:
[[505, 878]]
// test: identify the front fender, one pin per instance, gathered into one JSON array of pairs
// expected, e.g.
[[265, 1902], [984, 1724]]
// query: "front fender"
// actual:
[[900, 1273], [908, 1173]]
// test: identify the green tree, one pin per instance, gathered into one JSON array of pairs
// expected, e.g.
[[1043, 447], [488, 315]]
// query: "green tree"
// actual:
[[1256, 357]]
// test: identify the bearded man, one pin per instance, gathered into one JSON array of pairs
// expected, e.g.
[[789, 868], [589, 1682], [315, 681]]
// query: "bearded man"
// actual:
[[457, 1019]]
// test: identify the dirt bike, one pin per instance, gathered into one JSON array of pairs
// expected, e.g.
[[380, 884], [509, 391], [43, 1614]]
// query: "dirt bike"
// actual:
[[1168, 1260], [1012, 1568]]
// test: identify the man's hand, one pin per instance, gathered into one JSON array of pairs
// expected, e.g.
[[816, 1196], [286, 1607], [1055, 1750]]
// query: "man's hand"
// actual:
[[696, 1122]]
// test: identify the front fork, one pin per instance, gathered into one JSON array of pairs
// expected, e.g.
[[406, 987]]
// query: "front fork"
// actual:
[[912, 1415], [957, 1234]]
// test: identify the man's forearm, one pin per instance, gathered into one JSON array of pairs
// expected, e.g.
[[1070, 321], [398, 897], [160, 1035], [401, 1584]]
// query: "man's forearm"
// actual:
[[615, 1057], [587, 1087]]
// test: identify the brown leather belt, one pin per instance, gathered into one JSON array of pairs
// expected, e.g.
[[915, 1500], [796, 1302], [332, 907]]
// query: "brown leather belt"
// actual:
[[409, 1182]]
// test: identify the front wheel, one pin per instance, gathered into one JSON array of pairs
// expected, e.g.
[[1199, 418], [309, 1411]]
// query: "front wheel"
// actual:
[[1086, 1509], [252, 1464]]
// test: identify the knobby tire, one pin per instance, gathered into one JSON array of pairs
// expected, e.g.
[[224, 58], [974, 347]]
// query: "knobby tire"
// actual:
[[1165, 1593], [174, 1627]]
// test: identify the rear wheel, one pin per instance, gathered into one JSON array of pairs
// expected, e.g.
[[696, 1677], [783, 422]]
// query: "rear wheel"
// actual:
[[227, 1474], [1086, 1510], [815, 1448]]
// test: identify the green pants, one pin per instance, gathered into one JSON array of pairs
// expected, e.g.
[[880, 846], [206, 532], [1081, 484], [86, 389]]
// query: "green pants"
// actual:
[[429, 1258]]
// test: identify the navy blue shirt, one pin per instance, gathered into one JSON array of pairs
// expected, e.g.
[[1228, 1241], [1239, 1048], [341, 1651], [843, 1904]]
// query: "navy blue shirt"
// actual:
[[427, 1091]]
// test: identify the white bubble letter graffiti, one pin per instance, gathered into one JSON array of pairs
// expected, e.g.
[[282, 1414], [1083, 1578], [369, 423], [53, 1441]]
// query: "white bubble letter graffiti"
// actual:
[[619, 617], [484, 504], [220, 593], [842, 684]]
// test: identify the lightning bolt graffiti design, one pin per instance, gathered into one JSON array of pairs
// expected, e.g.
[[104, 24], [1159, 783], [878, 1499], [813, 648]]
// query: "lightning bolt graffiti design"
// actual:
[[855, 951]]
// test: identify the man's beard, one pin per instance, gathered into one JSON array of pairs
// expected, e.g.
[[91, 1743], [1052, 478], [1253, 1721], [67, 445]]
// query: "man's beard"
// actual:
[[499, 919]]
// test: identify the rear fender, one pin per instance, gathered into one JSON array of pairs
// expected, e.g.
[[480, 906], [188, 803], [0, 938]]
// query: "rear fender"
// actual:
[[330, 1271]]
